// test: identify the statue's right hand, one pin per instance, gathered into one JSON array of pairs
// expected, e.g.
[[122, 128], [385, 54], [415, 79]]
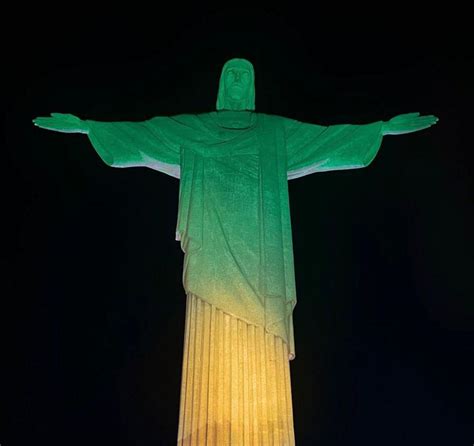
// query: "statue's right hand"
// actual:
[[61, 122]]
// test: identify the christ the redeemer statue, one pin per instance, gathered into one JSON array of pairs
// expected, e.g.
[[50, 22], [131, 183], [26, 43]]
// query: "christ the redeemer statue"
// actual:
[[234, 227]]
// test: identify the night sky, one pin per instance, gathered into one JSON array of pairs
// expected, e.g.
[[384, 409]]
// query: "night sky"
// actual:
[[94, 303]]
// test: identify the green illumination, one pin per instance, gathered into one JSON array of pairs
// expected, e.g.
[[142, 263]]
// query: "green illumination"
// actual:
[[234, 165]]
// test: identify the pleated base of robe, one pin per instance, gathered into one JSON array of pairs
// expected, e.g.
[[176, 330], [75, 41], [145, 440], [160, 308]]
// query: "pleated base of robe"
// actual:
[[235, 383]]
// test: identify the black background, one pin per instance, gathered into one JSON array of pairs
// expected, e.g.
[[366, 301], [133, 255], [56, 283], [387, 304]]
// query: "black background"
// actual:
[[94, 305]]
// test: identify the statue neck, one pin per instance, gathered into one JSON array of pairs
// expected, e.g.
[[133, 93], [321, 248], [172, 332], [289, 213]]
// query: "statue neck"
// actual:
[[235, 119]]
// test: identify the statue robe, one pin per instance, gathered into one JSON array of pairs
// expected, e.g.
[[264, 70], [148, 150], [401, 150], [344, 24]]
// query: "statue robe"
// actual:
[[234, 217]]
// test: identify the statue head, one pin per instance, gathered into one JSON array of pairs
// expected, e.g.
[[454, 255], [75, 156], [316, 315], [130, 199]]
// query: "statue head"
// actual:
[[236, 86]]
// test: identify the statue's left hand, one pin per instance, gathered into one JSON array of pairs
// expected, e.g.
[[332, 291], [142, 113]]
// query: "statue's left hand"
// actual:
[[408, 123]]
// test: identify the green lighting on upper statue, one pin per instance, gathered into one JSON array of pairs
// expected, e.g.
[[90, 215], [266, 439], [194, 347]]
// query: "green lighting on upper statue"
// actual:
[[234, 165]]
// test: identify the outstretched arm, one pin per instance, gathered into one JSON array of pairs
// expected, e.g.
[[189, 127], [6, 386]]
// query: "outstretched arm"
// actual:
[[154, 143], [313, 148]]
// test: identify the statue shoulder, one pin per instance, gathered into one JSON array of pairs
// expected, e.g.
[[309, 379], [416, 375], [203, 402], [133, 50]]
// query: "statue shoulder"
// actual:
[[183, 119], [279, 120]]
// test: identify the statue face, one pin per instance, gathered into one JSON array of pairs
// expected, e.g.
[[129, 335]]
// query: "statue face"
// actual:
[[237, 82], [236, 86]]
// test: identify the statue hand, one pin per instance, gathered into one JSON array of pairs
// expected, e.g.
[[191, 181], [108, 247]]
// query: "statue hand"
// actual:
[[61, 122], [407, 123]]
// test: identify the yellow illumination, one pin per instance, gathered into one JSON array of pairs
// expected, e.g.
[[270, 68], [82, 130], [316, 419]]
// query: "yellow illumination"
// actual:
[[235, 383]]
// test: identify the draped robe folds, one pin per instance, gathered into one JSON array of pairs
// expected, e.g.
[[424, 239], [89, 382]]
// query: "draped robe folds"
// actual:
[[234, 217]]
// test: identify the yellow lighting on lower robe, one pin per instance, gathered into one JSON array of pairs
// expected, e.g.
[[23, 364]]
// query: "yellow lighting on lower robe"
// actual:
[[235, 383]]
